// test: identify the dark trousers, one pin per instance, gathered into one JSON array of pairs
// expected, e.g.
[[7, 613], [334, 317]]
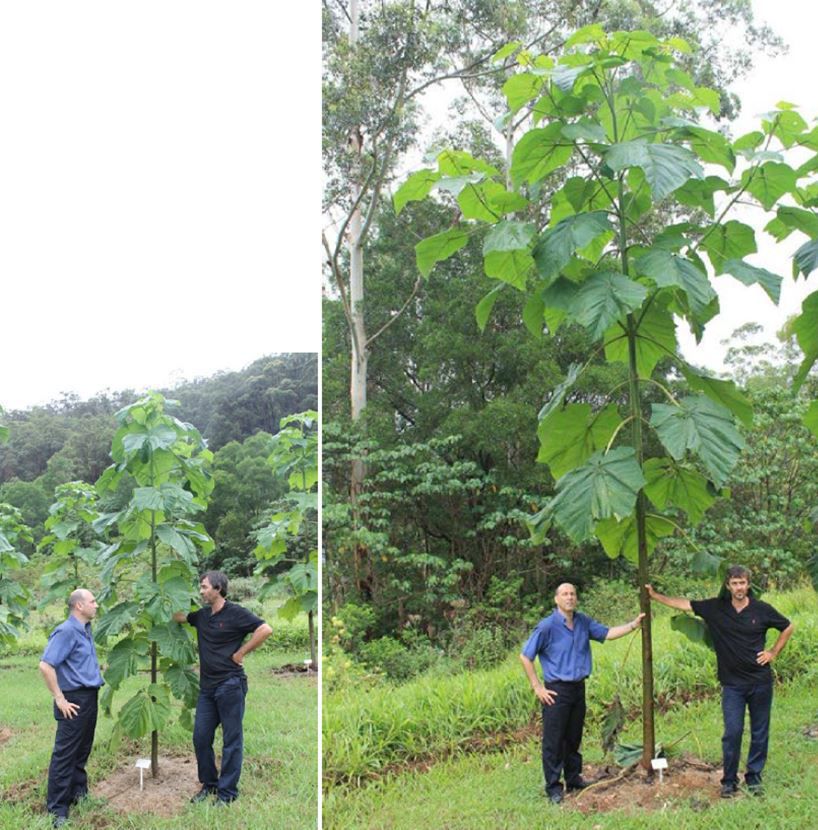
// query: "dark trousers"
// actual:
[[734, 700], [223, 704], [562, 724], [67, 779]]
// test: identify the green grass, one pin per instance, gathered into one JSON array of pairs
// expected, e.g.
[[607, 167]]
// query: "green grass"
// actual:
[[278, 785], [432, 717], [504, 789]]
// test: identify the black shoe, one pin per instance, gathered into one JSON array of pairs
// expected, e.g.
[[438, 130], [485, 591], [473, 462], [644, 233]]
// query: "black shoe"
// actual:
[[77, 797], [224, 802], [579, 784], [59, 821], [203, 795], [755, 788], [729, 790], [555, 797]]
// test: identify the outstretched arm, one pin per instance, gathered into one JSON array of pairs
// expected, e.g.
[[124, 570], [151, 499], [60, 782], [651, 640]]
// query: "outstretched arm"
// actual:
[[679, 603], [621, 630]]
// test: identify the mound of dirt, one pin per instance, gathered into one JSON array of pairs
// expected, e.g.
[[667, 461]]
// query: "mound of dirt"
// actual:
[[686, 781], [5, 734], [166, 795], [294, 670]]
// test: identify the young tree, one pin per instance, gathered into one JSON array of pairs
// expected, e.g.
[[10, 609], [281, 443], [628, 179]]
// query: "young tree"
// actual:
[[291, 534], [616, 124], [13, 596], [149, 572]]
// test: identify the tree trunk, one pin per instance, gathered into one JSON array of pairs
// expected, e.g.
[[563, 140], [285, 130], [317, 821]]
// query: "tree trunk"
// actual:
[[311, 623]]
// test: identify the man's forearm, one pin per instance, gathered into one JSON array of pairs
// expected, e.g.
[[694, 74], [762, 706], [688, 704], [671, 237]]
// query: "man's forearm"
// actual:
[[259, 636], [782, 640], [530, 671], [50, 677], [621, 630], [679, 603]]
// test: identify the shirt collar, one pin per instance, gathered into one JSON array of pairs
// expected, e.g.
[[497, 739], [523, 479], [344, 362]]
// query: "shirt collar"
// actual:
[[73, 621]]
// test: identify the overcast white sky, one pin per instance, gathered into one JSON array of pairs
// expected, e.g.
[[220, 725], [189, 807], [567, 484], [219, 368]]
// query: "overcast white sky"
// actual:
[[159, 191]]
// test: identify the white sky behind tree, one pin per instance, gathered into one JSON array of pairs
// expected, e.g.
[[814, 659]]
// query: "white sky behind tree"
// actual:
[[159, 191]]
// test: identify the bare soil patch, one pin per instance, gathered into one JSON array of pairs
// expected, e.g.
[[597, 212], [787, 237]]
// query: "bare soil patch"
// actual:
[[166, 795], [687, 781], [294, 670], [5, 734]]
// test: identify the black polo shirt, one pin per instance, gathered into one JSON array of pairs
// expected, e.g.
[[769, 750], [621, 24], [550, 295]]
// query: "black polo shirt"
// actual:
[[738, 636], [220, 637]]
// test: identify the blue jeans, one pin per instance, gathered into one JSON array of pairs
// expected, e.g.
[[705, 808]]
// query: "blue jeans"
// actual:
[[734, 700], [223, 704]]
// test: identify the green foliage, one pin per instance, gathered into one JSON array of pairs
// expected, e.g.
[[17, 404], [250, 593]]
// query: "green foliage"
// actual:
[[150, 569], [14, 597]]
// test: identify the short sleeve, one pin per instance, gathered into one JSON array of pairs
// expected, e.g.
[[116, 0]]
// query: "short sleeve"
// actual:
[[60, 645], [193, 618], [246, 621], [775, 619], [537, 642], [702, 607], [596, 630]]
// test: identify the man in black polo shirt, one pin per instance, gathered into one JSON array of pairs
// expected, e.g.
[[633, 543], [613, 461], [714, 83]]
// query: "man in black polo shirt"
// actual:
[[738, 625], [221, 627]]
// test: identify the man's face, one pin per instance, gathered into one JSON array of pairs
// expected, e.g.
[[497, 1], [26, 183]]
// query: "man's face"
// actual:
[[738, 587], [208, 593], [88, 606], [566, 597]]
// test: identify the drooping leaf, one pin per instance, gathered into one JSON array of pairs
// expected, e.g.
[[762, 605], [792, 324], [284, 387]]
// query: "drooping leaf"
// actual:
[[805, 329], [572, 435], [703, 427], [416, 188], [669, 269], [557, 245], [124, 659], [751, 274], [732, 240], [521, 88], [604, 298], [670, 483], [705, 564], [699, 193], [184, 684], [512, 267], [666, 166], [612, 723], [436, 248], [626, 755], [114, 620], [723, 392], [539, 152], [805, 260], [810, 418], [620, 538], [146, 711], [769, 182], [483, 310], [559, 392], [605, 486], [693, 628], [655, 339], [789, 219], [173, 642], [533, 314]]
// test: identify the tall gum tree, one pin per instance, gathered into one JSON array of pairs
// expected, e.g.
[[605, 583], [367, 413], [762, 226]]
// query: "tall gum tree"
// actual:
[[619, 125]]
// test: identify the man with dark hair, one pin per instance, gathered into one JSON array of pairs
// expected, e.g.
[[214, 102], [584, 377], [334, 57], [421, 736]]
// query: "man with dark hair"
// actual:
[[71, 672], [221, 627], [563, 643], [738, 625]]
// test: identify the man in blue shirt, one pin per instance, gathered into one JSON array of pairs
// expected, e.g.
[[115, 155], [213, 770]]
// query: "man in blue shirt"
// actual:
[[563, 643], [71, 672]]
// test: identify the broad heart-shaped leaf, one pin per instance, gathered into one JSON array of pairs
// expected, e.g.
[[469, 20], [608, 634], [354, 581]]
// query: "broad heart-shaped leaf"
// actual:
[[699, 193], [655, 339], [733, 240], [789, 219], [482, 311], [557, 245], [114, 620], [810, 418], [693, 628], [723, 392], [666, 166], [521, 88], [146, 711], [805, 259], [509, 236], [805, 329], [605, 486], [750, 275], [173, 641], [705, 564], [415, 188], [147, 498], [559, 391], [436, 248], [620, 538], [604, 298], [184, 683], [570, 436], [669, 483], [770, 182], [168, 534], [124, 659], [539, 152], [506, 254], [666, 269], [703, 427], [488, 201]]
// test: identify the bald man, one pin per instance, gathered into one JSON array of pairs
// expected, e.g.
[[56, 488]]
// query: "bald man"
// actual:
[[563, 643], [71, 672]]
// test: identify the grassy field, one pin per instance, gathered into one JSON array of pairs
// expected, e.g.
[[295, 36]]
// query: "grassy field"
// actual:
[[374, 743], [278, 784]]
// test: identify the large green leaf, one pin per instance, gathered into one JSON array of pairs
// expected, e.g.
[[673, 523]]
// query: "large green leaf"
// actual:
[[173, 642], [605, 486], [669, 269], [147, 498], [124, 659], [415, 188], [621, 538], [603, 299], [539, 152], [789, 219], [558, 394], [732, 240], [693, 628], [436, 248], [557, 245], [666, 166], [184, 683], [810, 418], [521, 88], [751, 274], [805, 259], [769, 182], [655, 339], [805, 329], [114, 620], [570, 436], [488, 201], [146, 711], [170, 536], [703, 427], [723, 392], [506, 252], [482, 312], [669, 483]]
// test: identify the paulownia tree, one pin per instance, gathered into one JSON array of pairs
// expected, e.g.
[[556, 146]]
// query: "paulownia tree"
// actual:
[[71, 540], [291, 534], [14, 597], [149, 572], [607, 220]]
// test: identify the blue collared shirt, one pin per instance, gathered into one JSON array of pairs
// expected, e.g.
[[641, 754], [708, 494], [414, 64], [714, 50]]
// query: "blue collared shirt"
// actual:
[[565, 654], [70, 650]]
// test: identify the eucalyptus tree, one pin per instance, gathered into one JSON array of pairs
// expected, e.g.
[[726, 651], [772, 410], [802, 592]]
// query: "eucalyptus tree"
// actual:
[[149, 571], [14, 597], [71, 541], [617, 122], [291, 534]]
